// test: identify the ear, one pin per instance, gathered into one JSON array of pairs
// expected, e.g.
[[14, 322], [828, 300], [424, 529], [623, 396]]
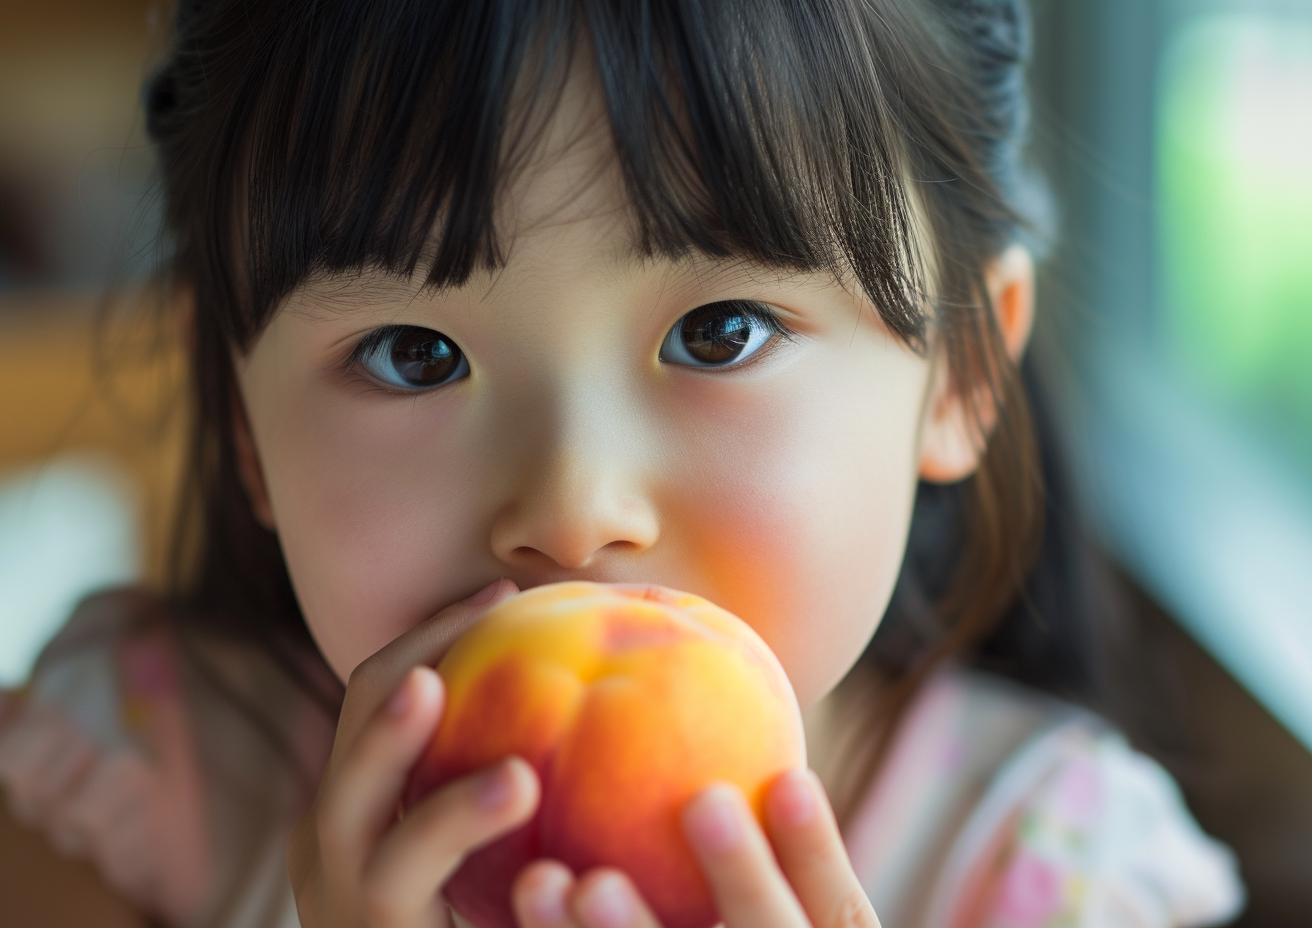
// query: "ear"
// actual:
[[950, 442], [248, 466]]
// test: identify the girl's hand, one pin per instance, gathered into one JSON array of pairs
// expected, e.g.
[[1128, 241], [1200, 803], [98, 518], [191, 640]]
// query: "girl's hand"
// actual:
[[798, 877], [351, 862]]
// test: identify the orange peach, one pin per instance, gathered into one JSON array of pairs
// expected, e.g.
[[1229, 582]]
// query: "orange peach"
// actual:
[[627, 700]]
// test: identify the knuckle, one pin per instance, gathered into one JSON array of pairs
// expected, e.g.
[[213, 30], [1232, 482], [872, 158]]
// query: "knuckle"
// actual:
[[363, 672], [371, 671]]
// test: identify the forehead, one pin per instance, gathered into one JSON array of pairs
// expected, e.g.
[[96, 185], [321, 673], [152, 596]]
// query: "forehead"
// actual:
[[562, 170]]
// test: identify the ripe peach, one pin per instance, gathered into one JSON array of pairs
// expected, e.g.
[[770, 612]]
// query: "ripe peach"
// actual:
[[627, 700]]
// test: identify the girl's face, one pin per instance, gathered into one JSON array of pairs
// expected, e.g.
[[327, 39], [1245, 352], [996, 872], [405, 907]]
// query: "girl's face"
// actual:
[[573, 421]]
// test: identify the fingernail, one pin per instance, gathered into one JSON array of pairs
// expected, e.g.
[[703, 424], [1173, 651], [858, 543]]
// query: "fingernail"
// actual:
[[494, 787], [712, 820], [606, 903], [400, 701], [547, 902], [793, 800], [485, 595]]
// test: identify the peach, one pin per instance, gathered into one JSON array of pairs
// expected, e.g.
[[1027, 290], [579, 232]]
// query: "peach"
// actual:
[[627, 700]]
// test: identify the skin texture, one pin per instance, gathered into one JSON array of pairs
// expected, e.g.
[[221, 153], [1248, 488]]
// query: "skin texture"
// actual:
[[780, 490]]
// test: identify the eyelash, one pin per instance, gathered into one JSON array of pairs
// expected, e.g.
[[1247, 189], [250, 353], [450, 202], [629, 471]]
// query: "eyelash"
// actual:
[[353, 369], [377, 337], [762, 311], [371, 341]]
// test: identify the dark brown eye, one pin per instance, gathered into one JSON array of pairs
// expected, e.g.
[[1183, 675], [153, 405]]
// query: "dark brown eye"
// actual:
[[719, 334], [411, 357]]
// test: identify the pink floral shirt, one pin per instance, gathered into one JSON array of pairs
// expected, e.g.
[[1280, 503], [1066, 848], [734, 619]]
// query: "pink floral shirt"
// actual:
[[1000, 808], [129, 756], [996, 808]]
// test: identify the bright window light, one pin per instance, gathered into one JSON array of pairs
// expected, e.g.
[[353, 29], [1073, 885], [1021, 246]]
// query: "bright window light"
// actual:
[[1234, 187], [67, 528]]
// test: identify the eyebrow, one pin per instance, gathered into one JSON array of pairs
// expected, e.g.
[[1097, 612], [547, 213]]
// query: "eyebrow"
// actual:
[[351, 293]]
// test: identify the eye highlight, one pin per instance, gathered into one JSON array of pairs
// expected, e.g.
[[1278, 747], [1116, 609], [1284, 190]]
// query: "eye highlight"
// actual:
[[409, 357], [723, 334]]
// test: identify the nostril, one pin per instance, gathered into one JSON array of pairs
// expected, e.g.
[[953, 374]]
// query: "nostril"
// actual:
[[620, 546], [544, 538], [565, 558], [538, 560]]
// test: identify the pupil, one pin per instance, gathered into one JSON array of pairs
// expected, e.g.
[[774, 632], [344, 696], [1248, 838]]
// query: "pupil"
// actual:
[[424, 358], [716, 334]]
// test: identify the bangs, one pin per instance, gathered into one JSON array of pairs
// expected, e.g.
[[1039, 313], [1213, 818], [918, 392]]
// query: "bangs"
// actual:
[[379, 135], [878, 140]]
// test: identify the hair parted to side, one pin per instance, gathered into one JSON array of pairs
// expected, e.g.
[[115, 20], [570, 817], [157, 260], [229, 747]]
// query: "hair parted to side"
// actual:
[[874, 139]]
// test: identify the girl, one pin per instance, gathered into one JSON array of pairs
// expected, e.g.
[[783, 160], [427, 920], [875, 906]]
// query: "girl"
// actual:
[[485, 295]]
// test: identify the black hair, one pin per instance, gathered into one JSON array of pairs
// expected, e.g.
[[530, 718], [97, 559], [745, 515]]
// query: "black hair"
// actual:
[[880, 140]]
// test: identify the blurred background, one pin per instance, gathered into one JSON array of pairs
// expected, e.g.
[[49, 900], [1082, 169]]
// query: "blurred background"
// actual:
[[88, 448], [1176, 338]]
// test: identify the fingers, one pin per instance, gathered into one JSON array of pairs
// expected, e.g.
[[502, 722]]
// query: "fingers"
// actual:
[[540, 896], [608, 899], [748, 887], [357, 800], [349, 860], [810, 851], [377, 676], [546, 895], [402, 878], [800, 877]]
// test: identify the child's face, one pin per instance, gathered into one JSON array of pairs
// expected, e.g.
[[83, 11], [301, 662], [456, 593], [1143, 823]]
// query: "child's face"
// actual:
[[779, 488]]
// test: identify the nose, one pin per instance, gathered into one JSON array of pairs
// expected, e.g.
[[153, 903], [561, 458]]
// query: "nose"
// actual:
[[580, 499]]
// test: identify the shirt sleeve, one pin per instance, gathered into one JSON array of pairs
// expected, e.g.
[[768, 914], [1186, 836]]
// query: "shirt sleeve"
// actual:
[[1078, 829], [96, 752]]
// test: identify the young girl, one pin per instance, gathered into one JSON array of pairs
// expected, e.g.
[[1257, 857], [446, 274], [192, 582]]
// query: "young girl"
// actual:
[[486, 295]]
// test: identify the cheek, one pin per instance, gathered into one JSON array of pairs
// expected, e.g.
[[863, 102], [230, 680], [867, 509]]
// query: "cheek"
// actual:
[[361, 519], [801, 524], [786, 500]]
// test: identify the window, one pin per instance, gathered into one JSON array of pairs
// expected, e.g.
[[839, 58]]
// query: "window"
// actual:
[[1179, 134], [1234, 195]]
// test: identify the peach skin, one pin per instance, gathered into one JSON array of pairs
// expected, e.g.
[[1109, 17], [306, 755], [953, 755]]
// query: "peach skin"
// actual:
[[628, 701]]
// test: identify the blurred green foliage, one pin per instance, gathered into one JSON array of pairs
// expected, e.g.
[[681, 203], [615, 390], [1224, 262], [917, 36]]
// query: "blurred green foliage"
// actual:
[[1234, 192]]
